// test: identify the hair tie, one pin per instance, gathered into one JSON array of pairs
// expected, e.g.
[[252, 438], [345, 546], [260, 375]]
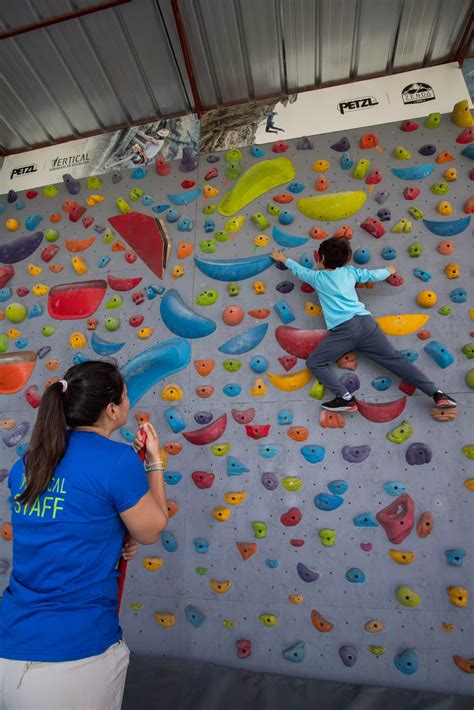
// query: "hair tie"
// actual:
[[63, 384]]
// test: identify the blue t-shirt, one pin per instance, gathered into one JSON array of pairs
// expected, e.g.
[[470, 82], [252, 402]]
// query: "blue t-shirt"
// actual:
[[61, 603], [336, 289]]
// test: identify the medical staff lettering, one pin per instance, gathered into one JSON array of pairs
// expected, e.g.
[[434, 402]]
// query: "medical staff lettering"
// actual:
[[46, 505]]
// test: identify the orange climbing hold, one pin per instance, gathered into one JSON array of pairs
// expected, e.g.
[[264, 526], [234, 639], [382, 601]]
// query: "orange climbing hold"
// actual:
[[423, 335], [298, 433], [204, 367], [173, 508], [444, 157], [347, 361], [7, 532], [205, 391], [445, 247], [118, 246], [259, 313], [320, 623], [331, 420], [321, 184], [79, 244], [173, 448], [246, 549], [283, 198], [464, 664], [425, 525], [345, 232], [185, 249], [142, 417], [15, 370]]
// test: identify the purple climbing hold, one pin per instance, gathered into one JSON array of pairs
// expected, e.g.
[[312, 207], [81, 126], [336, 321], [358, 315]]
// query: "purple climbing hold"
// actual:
[[348, 654], [306, 574], [384, 214], [269, 481], [19, 249], [355, 454], [188, 161], [73, 186], [427, 149], [418, 454], [381, 196], [285, 286], [12, 196], [304, 144], [342, 145], [213, 158], [99, 228], [203, 418], [351, 382], [13, 437]]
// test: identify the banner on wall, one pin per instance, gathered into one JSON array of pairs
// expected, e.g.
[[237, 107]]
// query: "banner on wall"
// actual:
[[131, 147], [364, 103]]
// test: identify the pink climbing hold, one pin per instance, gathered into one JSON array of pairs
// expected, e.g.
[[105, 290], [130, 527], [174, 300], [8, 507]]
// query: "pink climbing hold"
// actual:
[[381, 411], [395, 280], [287, 362], [6, 273], [244, 648], [398, 518], [411, 193], [33, 396], [245, 416], [212, 173], [297, 341], [280, 147]]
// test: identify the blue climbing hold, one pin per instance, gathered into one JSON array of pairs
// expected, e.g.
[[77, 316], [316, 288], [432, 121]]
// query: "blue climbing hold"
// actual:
[[296, 187], [415, 172], [362, 256], [175, 419], [468, 151], [185, 224], [287, 240], [346, 161], [259, 363], [80, 358], [256, 151], [21, 343], [458, 295], [389, 253], [355, 575], [185, 198], [286, 217], [285, 417], [272, 564], [410, 355], [234, 269], [104, 347], [455, 556], [147, 201], [181, 319], [232, 390], [103, 261], [306, 261], [268, 451], [439, 353], [32, 221], [295, 653], [169, 541], [235, 467], [158, 209], [381, 383], [327, 501], [138, 174], [394, 488], [422, 275], [447, 229], [338, 487], [171, 216], [365, 520], [244, 342], [172, 478], [201, 545], [209, 225], [21, 450], [284, 312], [406, 661], [127, 434], [5, 293], [313, 453], [194, 615]]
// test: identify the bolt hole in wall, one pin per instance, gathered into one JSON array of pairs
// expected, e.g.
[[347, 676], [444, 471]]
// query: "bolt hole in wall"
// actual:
[[359, 523]]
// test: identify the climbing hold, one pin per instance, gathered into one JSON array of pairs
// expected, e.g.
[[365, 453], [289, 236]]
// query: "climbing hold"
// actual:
[[232, 365], [401, 324], [362, 256], [439, 353], [397, 519], [403, 226], [269, 481], [373, 227], [234, 269], [348, 654], [355, 575], [415, 172], [295, 653], [319, 622], [400, 433], [455, 556], [461, 114], [452, 271], [235, 467], [248, 340], [407, 661], [426, 299], [333, 206], [382, 411], [338, 487], [361, 169], [423, 276], [327, 501], [290, 382], [407, 597], [257, 180], [355, 454], [439, 188], [181, 319], [402, 557], [306, 574], [331, 420], [381, 383], [458, 596], [425, 525], [401, 153], [328, 538]]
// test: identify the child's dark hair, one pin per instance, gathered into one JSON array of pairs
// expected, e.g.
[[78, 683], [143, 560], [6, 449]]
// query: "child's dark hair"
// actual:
[[335, 251], [91, 386]]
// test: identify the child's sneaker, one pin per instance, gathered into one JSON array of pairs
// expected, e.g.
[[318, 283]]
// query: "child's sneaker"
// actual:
[[442, 400], [339, 404]]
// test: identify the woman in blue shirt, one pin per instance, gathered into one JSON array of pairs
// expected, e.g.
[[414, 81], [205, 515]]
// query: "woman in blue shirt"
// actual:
[[73, 498]]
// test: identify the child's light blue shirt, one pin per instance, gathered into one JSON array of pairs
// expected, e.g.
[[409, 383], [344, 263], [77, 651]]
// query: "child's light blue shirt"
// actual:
[[336, 289]]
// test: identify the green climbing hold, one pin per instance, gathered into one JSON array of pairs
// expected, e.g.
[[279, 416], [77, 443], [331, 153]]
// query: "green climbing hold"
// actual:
[[115, 302], [209, 209], [201, 570], [361, 169], [273, 209], [16, 312], [445, 310], [112, 323], [403, 226], [233, 169], [255, 182], [317, 390], [401, 433], [433, 120], [222, 236], [233, 289], [376, 650], [207, 297], [3, 343], [220, 449], [338, 205], [328, 537], [136, 193], [51, 235], [260, 221], [50, 191], [407, 597], [109, 236], [468, 350], [232, 365], [259, 529], [468, 451], [291, 483], [440, 188], [470, 379], [48, 330], [208, 246], [401, 153], [268, 620], [233, 154], [94, 183], [415, 212], [415, 249]]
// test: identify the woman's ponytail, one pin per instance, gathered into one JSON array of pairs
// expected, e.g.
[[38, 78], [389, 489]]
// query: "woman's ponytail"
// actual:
[[47, 445]]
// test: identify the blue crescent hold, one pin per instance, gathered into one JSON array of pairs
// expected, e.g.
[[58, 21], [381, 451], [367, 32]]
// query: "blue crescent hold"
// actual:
[[234, 269]]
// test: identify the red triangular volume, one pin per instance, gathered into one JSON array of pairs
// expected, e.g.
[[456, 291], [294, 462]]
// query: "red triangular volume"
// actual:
[[144, 235]]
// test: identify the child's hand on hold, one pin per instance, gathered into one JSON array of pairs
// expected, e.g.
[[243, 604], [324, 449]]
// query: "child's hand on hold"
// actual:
[[392, 269], [278, 256]]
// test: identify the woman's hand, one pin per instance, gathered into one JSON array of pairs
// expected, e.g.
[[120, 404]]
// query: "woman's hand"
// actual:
[[278, 256], [130, 548], [152, 446]]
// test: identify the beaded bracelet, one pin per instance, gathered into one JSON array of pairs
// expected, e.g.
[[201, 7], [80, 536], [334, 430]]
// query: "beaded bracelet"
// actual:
[[154, 466]]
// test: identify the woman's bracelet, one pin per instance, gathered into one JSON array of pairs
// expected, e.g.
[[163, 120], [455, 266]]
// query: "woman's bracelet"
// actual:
[[154, 466]]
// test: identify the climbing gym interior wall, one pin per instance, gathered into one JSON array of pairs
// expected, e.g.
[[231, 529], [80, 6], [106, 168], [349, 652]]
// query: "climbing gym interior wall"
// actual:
[[299, 542]]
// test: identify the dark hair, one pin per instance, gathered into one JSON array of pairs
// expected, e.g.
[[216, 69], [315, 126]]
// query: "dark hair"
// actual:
[[336, 252], [91, 386]]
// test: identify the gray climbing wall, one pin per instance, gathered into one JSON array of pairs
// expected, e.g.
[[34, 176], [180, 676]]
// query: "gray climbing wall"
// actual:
[[264, 583]]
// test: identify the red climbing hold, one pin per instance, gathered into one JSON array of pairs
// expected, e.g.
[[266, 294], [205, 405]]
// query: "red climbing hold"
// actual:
[[397, 519], [467, 136], [381, 411], [306, 288], [296, 542], [203, 479], [76, 213], [280, 147], [297, 341], [49, 252], [119, 284], [31, 194], [395, 280], [136, 321], [244, 648], [287, 361], [373, 227], [6, 273], [406, 388], [208, 433], [145, 235], [257, 431], [187, 184], [212, 173], [76, 300], [161, 166], [411, 193], [33, 396], [245, 416], [291, 517], [409, 126]]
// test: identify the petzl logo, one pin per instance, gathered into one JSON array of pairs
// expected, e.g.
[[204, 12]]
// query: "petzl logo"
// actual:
[[417, 93], [23, 170], [356, 104]]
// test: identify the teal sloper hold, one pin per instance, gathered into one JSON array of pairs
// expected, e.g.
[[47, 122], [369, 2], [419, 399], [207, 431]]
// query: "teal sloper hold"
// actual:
[[246, 341], [235, 467], [313, 453], [394, 488], [181, 319], [154, 364], [175, 419], [327, 501], [194, 615], [447, 229], [104, 347], [406, 661], [365, 520], [295, 653], [185, 198], [169, 541], [338, 487], [415, 172], [468, 151], [234, 269], [287, 240]]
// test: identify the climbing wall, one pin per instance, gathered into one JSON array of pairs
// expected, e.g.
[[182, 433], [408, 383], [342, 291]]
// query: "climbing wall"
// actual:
[[299, 542]]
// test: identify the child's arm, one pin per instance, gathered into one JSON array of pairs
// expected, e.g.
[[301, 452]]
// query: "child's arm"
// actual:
[[365, 275], [307, 275]]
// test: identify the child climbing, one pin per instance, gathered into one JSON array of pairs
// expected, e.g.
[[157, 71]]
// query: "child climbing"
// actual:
[[350, 325]]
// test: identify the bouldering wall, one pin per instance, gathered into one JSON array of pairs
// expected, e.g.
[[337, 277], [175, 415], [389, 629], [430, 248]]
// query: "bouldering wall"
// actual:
[[283, 551]]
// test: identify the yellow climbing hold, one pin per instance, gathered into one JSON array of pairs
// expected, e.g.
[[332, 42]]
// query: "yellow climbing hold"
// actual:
[[210, 191], [220, 587], [152, 563], [164, 619], [458, 596], [221, 514], [235, 498], [296, 598], [461, 114], [261, 240], [259, 388], [320, 166], [77, 339], [79, 265], [311, 309], [469, 483], [177, 271], [145, 333], [402, 324], [172, 393], [235, 224], [229, 623], [402, 557], [331, 207], [290, 382], [14, 333], [34, 270], [447, 627], [40, 289], [255, 182], [123, 205]]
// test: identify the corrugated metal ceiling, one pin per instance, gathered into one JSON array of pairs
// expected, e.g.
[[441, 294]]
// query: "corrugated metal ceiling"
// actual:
[[125, 65]]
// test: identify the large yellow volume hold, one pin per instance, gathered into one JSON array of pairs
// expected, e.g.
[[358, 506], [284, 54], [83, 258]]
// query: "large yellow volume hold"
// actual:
[[331, 207], [403, 324], [255, 182], [290, 382]]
